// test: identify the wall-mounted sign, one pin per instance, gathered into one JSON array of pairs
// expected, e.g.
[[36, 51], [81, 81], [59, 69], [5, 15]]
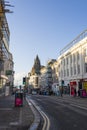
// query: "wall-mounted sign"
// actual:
[[8, 72]]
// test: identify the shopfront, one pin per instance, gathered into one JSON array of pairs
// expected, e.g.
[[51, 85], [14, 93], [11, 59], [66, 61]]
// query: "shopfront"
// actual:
[[85, 85], [3, 80], [83, 92], [73, 86]]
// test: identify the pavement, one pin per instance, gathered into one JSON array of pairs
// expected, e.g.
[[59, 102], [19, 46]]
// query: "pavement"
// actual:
[[15, 118], [25, 117]]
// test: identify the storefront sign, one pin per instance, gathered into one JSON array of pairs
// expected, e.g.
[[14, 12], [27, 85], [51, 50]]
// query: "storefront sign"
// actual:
[[85, 85], [73, 83]]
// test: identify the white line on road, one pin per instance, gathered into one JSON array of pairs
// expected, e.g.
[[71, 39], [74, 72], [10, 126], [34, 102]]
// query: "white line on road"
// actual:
[[78, 106]]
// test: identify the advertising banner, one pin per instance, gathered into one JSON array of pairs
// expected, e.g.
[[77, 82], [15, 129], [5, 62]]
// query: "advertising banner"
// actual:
[[85, 85]]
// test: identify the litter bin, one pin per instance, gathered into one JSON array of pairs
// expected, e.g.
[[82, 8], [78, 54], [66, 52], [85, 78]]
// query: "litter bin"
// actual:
[[19, 99]]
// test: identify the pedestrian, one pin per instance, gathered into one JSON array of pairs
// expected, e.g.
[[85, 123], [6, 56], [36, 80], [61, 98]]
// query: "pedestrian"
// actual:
[[74, 92], [78, 92], [24, 94], [61, 91]]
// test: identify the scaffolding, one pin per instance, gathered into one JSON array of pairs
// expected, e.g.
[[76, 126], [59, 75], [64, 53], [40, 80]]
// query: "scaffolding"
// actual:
[[4, 31]]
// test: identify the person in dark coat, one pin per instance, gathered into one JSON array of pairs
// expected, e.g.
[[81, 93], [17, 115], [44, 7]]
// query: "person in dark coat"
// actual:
[[74, 92], [78, 92], [61, 91]]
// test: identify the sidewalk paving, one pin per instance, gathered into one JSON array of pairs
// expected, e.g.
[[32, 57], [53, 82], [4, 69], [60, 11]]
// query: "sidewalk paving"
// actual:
[[21, 118], [14, 118]]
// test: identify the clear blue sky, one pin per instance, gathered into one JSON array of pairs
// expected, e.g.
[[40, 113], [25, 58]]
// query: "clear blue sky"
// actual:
[[43, 27]]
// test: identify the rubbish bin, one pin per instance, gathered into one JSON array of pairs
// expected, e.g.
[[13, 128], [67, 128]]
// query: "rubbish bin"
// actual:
[[19, 99]]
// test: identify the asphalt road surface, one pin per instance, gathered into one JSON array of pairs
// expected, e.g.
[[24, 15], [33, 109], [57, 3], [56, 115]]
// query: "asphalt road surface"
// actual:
[[65, 113]]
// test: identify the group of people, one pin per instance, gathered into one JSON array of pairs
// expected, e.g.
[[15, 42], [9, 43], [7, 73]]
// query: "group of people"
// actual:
[[75, 92]]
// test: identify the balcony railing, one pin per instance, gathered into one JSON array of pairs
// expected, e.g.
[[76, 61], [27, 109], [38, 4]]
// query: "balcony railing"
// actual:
[[77, 39]]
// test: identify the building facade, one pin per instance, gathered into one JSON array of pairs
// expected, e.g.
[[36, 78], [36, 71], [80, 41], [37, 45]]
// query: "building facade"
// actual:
[[72, 64], [6, 59], [34, 74], [69, 71]]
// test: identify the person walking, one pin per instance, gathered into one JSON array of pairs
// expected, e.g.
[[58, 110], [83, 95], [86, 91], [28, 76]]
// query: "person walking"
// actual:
[[61, 91], [78, 92], [74, 92]]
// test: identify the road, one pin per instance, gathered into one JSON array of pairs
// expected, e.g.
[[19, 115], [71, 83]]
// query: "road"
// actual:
[[64, 113]]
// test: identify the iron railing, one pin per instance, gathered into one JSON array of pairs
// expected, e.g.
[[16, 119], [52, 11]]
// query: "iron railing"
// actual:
[[76, 40]]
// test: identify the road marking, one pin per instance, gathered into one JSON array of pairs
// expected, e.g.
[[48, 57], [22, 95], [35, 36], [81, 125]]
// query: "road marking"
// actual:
[[14, 123], [46, 124], [78, 106], [30, 104], [47, 121], [36, 122]]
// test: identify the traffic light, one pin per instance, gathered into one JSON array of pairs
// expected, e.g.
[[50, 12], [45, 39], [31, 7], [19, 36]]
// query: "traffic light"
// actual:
[[24, 80]]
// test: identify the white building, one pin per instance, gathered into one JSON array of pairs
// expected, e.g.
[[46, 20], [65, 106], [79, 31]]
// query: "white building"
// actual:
[[72, 63]]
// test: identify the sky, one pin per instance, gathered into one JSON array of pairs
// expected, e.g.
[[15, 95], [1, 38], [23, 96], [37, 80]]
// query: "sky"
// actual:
[[43, 27]]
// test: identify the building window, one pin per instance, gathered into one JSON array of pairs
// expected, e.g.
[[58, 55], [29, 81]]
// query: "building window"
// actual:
[[70, 58], [59, 74], [85, 52], [85, 55], [74, 58], [71, 71], [56, 69], [67, 72], [77, 56], [85, 67], [59, 66], [78, 69], [64, 73], [74, 69], [64, 62], [67, 60], [61, 62]]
